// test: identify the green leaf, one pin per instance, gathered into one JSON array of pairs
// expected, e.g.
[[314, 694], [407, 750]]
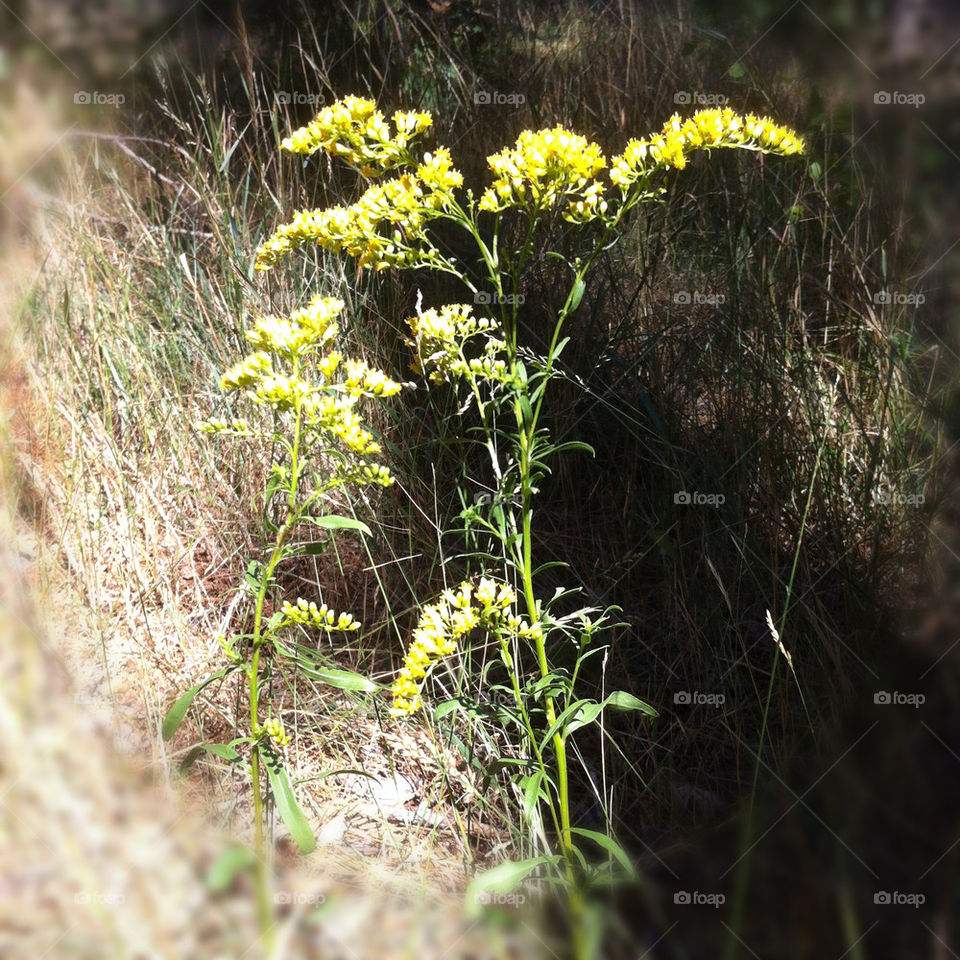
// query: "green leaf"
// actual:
[[333, 522], [501, 879], [621, 700], [222, 750], [610, 845], [175, 715], [532, 794], [342, 679], [448, 706], [286, 802], [576, 294], [585, 717], [222, 871], [559, 725], [574, 445], [310, 549], [252, 576]]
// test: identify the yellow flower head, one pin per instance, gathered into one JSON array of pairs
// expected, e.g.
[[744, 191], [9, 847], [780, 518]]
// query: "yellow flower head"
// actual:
[[442, 624], [441, 337], [319, 385], [353, 129], [384, 228], [715, 127], [322, 617], [542, 168]]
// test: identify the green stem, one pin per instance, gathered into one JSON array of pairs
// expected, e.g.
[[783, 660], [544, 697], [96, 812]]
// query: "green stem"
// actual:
[[263, 878]]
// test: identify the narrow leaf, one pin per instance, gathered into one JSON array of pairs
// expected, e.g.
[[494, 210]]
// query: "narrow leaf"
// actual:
[[532, 794], [342, 679], [610, 845], [286, 802], [175, 715], [576, 295], [222, 871], [333, 522], [222, 750], [501, 879], [621, 700]]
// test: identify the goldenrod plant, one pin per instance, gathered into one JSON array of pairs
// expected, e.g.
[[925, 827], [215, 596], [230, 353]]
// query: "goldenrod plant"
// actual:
[[546, 173], [306, 393]]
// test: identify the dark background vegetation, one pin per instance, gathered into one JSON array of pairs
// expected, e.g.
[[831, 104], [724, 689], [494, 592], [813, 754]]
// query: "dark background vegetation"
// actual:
[[800, 398]]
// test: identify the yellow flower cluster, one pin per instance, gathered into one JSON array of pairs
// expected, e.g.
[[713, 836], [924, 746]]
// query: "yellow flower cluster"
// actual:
[[356, 131], [403, 206], [309, 326], [236, 427], [322, 617], [363, 380], [273, 728], [440, 338], [444, 623], [326, 403], [704, 130], [546, 166]]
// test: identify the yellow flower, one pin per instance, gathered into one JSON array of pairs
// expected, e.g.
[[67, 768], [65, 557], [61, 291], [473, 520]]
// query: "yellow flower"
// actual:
[[363, 380], [542, 168], [354, 130], [705, 129], [247, 373], [325, 400], [384, 228], [442, 624], [273, 728], [322, 617], [441, 339]]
